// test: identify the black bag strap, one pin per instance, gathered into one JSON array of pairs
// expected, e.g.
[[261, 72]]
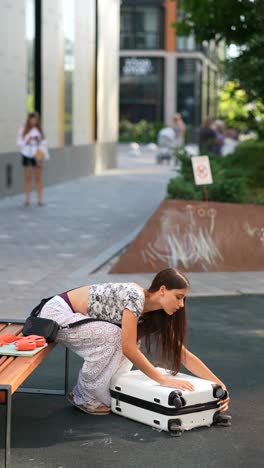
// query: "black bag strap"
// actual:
[[80, 322], [35, 312]]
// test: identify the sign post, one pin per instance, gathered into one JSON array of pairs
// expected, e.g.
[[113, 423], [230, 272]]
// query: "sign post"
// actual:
[[202, 172]]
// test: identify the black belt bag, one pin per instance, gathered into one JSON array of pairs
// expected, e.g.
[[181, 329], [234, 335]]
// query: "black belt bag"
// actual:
[[48, 328]]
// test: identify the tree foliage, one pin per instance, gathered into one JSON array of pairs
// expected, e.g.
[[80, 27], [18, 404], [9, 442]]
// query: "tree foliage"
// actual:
[[239, 22], [248, 66], [238, 111], [235, 21]]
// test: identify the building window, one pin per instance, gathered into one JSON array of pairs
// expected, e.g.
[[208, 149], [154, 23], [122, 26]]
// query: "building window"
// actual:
[[186, 43], [141, 88], [30, 38], [142, 27], [68, 24], [189, 90]]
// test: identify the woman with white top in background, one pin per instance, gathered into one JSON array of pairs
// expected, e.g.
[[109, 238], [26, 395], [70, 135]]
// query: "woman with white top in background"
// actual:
[[29, 139]]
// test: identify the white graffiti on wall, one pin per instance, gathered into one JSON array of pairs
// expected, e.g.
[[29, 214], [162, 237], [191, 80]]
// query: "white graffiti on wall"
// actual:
[[255, 232], [195, 244]]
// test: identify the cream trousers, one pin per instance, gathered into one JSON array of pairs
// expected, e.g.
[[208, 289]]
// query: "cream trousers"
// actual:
[[98, 343]]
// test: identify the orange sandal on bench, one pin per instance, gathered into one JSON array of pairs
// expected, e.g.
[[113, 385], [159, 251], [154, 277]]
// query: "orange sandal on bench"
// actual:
[[25, 345], [6, 339], [40, 340], [29, 343]]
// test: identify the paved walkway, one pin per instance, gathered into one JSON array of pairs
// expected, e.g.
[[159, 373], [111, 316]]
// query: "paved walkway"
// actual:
[[84, 223], [226, 333], [45, 250]]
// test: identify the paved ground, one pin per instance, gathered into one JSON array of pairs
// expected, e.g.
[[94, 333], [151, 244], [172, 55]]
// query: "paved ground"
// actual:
[[227, 333], [49, 249], [42, 247]]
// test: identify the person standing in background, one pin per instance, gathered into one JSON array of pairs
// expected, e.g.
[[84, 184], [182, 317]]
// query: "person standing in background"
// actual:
[[207, 138], [179, 130], [220, 136], [30, 137]]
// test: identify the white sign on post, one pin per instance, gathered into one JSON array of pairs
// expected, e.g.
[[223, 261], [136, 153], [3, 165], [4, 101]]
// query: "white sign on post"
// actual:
[[202, 170]]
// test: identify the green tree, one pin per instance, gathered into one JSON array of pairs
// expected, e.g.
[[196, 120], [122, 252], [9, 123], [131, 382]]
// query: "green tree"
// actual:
[[237, 22], [248, 65], [238, 111]]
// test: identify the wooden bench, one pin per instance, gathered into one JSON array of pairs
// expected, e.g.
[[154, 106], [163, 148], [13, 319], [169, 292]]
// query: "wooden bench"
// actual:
[[13, 372]]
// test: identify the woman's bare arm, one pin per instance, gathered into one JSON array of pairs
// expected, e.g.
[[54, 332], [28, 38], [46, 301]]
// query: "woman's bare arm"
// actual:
[[198, 368]]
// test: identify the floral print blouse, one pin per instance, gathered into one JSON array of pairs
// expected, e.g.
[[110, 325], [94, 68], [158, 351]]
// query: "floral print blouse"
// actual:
[[107, 301]]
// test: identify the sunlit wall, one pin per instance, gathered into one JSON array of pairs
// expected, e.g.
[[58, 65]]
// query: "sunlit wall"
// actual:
[[60, 57]]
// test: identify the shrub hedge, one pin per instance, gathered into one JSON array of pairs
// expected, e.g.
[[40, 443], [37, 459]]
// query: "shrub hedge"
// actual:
[[237, 178], [140, 132]]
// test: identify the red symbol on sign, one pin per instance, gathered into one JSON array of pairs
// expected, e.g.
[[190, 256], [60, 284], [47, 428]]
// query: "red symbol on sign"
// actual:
[[202, 171]]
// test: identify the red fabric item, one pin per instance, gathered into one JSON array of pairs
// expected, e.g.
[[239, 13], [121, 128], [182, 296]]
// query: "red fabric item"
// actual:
[[25, 345], [8, 338], [29, 343]]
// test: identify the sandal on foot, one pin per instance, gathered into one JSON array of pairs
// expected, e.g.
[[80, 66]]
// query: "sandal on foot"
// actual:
[[99, 411]]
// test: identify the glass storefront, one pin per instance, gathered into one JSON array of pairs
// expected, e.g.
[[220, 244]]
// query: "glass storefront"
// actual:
[[30, 38], [142, 27], [68, 23], [189, 72], [141, 89]]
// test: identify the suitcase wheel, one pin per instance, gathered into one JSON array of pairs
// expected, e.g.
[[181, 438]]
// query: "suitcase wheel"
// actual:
[[176, 433], [175, 399], [174, 427], [222, 419]]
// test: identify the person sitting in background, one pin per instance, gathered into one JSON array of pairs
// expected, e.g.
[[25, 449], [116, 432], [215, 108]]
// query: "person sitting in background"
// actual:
[[30, 137]]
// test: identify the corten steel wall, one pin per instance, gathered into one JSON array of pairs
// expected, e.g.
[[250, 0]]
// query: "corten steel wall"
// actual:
[[198, 236], [95, 91]]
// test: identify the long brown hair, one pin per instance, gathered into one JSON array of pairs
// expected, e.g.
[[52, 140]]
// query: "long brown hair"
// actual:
[[167, 331], [28, 127]]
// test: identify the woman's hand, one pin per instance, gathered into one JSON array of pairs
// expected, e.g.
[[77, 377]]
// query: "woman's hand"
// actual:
[[223, 404], [176, 383]]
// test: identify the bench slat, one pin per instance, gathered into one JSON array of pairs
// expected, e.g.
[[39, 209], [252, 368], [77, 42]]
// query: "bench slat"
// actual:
[[13, 328], [5, 361], [21, 368]]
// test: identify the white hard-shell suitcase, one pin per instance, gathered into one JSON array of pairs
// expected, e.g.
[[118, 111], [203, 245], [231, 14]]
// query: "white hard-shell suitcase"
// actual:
[[136, 396]]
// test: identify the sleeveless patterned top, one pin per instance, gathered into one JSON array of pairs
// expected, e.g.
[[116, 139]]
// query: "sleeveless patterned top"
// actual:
[[107, 301]]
